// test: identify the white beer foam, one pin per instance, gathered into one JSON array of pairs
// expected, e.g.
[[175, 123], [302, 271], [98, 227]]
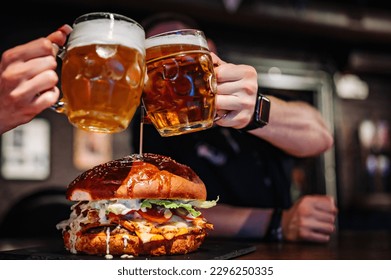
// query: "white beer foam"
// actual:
[[107, 31], [189, 39]]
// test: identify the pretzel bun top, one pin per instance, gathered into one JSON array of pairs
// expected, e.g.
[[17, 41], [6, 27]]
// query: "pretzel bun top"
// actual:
[[138, 177]]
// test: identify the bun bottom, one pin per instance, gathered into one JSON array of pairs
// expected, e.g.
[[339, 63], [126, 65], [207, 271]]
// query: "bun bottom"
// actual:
[[120, 244]]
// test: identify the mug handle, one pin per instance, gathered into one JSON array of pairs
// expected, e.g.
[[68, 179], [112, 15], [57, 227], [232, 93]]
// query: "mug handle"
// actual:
[[60, 105]]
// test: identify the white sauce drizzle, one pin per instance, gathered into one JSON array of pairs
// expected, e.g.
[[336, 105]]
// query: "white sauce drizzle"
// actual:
[[126, 238], [108, 240], [126, 256]]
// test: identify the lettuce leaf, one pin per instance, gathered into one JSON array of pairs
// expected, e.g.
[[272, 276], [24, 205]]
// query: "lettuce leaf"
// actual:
[[186, 204]]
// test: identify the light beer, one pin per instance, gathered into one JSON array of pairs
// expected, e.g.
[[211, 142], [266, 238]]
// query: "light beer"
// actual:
[[179, 95], [103, 74]]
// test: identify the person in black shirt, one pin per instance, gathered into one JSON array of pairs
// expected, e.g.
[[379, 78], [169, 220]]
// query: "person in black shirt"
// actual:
[[248, 171]]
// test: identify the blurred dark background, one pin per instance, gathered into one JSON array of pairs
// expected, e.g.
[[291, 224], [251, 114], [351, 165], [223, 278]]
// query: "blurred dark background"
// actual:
[[333, 54]]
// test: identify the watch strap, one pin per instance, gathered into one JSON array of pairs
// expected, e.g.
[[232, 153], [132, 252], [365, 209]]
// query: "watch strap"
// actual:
[[274, 232]]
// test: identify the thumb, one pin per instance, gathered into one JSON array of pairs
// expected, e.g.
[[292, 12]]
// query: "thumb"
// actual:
[[60, 35]]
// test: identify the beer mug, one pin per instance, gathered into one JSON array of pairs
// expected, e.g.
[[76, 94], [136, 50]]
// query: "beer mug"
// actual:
[[103, 71], [179, 93]]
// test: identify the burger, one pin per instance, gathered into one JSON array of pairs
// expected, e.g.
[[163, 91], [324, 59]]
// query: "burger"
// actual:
[[146, 204]]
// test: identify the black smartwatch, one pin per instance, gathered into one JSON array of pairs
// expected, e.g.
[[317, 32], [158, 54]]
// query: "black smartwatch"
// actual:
[[261, 114], [274, 232]]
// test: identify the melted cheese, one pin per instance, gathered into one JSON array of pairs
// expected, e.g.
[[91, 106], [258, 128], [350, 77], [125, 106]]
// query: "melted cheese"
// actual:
[[145, 236]]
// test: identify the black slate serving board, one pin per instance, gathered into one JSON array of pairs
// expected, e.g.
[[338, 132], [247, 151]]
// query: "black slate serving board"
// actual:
[[211, 249]]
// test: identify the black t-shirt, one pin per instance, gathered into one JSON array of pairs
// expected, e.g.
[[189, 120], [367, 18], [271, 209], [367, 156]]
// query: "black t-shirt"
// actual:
[[240, 168]]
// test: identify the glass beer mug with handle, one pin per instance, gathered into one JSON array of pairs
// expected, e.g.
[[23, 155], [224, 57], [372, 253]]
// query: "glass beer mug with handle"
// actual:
[[103, 71], [179, 93]]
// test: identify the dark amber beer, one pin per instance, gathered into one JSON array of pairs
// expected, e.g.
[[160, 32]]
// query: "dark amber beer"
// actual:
[[103, 72], [179, 94]]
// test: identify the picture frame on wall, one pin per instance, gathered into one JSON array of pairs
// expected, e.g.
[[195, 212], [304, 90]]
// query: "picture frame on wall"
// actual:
[[25, 151]]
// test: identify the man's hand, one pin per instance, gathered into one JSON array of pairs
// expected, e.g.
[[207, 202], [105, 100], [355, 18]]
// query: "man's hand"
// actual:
[[311, 218]]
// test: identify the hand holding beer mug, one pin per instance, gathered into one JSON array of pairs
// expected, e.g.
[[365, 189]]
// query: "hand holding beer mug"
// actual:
[[103, 70], [179, 94]]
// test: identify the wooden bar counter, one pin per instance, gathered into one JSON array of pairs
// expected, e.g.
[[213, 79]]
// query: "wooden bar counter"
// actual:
[[345, 245]]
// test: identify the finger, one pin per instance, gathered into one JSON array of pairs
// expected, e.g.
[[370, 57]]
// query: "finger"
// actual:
[[229, 87], [326, 203], [315, 231], [46, 99], [18, 72], [230, 72], [324, 216], [44, 81], [59, 36], [324, 227], [317, 225], [232, 96], [228, 102], [30, 88], [239, 110], [314, 236], [239, 114], [226, 73], [233, 119], [36, 48], [36, 106]]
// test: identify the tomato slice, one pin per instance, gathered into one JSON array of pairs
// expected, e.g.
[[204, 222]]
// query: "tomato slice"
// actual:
[[156, 214]]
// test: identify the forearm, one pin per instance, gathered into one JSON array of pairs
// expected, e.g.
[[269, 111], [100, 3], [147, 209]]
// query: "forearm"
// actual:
[[297, 128], [231, 221]]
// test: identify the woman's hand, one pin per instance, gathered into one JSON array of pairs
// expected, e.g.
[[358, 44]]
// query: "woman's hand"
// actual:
[[28, 79]]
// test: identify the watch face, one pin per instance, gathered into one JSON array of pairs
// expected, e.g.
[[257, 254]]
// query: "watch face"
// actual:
[[261, 114], [263, 110]]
